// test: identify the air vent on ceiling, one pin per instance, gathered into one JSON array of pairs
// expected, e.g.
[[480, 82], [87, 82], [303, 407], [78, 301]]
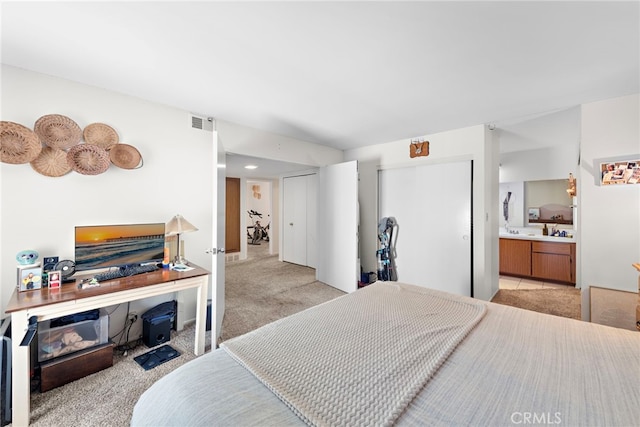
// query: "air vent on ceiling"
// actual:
[[198, 122]]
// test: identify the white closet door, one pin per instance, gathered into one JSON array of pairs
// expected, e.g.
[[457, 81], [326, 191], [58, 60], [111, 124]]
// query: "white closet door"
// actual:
[[432, 206], [294, 198], [338, 226]]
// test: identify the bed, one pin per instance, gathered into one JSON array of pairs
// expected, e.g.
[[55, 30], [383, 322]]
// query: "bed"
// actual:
[[351, 361]]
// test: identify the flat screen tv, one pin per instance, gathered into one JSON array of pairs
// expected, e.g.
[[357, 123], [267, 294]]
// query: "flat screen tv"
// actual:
[[103, 246]]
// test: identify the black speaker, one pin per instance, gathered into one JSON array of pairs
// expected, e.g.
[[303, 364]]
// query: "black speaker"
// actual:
[[156, 331], [49, 263]]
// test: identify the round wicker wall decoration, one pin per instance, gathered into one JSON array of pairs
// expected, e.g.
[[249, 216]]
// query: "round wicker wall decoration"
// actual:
[[88, 159], [125, 156], [18, 144], [102, 135], [51, 162], [58, 131]]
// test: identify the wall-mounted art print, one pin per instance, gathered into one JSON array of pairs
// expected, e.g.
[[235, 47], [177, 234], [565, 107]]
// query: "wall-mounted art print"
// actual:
[[621, 170]]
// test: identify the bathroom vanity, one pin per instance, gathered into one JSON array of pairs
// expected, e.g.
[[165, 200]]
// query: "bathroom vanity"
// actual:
[[538, 257]]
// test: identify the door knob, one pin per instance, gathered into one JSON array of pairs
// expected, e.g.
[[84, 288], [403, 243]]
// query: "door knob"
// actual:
[[291, 224], [214, 251]]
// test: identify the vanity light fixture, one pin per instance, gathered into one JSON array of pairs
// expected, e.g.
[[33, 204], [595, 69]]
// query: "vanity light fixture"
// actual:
[[572, 186]]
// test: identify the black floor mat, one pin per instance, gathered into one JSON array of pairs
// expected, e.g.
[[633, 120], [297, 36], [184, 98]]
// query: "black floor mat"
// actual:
[[157, 356]]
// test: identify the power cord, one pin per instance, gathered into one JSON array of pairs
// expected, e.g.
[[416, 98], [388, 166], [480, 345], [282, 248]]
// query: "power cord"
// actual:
[[124, 348]]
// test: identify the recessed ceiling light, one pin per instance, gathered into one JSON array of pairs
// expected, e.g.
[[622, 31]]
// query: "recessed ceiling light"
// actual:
[[251, 167]]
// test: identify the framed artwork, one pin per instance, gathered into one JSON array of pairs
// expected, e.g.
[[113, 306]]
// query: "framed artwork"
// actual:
[[618, 170], [55, 277], [534, 213], [30, 279]]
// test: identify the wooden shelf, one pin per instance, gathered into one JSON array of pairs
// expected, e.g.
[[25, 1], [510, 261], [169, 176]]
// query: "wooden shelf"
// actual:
[[550, 221]]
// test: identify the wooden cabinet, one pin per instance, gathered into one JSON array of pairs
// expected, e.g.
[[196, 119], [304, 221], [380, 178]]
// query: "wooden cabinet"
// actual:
[[515, 257], [551, 266], [554, 261]]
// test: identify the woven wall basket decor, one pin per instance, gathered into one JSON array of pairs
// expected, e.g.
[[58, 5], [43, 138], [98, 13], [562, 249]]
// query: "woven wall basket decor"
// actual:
[[102, 135], [18, 144], [51, 162], [88, 159], [125, 156], [58, 131]]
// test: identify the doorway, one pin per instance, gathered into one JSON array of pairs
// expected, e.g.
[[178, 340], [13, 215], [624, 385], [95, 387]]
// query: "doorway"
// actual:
[[259, 215]]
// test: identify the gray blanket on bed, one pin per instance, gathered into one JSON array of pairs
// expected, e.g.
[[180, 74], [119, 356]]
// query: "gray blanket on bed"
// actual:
[[362, 358]]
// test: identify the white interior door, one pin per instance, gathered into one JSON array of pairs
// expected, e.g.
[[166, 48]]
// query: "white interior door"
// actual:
[[337, 260], [295, 221], [218, 239], [432, 207]]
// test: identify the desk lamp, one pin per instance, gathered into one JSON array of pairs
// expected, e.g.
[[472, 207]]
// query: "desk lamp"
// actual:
[[176, 226]]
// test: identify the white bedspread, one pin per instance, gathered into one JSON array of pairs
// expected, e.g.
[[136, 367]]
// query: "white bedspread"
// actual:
[[361, 359]]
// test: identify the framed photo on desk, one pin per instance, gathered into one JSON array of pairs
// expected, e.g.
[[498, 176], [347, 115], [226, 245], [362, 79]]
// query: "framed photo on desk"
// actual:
[[55, 279], [29, 278]]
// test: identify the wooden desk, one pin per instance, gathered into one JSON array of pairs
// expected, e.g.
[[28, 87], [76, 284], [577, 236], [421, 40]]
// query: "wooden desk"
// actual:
[[51, 303]]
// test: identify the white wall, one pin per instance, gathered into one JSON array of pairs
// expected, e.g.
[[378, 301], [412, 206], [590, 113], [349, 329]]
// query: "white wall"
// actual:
[[609, 216], [533, 165], [540, 148], [473, 143], [176, 176], [260, 200], [516, 203], [253, 142]]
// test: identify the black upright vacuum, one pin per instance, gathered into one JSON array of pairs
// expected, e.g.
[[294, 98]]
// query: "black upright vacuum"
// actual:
[[386, 254]]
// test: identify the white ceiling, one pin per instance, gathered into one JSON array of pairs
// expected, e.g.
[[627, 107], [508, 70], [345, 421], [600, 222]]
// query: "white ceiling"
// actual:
[[342, 74], [266, 168]]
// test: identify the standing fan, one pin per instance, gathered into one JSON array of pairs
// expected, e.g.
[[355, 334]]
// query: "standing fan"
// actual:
[[66, 267]]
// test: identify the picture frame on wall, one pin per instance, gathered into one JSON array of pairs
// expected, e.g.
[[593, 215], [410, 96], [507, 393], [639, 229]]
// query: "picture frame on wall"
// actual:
[[534, 213], [618, 170], [30, 279]]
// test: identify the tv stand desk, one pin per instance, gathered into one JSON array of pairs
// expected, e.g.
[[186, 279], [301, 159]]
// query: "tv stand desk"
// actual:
[[51, 303]]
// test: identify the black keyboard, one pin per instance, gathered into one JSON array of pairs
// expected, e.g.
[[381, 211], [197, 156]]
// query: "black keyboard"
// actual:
[[126, 271]]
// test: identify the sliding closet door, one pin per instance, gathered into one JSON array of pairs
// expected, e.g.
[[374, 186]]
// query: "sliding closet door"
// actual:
[[432, 206]]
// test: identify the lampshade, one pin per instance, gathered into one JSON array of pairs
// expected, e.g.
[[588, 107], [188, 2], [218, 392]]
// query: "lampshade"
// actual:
[[178, 225]]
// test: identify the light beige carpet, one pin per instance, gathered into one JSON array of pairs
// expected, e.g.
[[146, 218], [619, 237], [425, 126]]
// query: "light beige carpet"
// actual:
[[262, 290], [558, 302]]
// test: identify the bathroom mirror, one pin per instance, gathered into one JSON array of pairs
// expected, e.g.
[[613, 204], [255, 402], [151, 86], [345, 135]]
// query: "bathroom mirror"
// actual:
[[548, 202]]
